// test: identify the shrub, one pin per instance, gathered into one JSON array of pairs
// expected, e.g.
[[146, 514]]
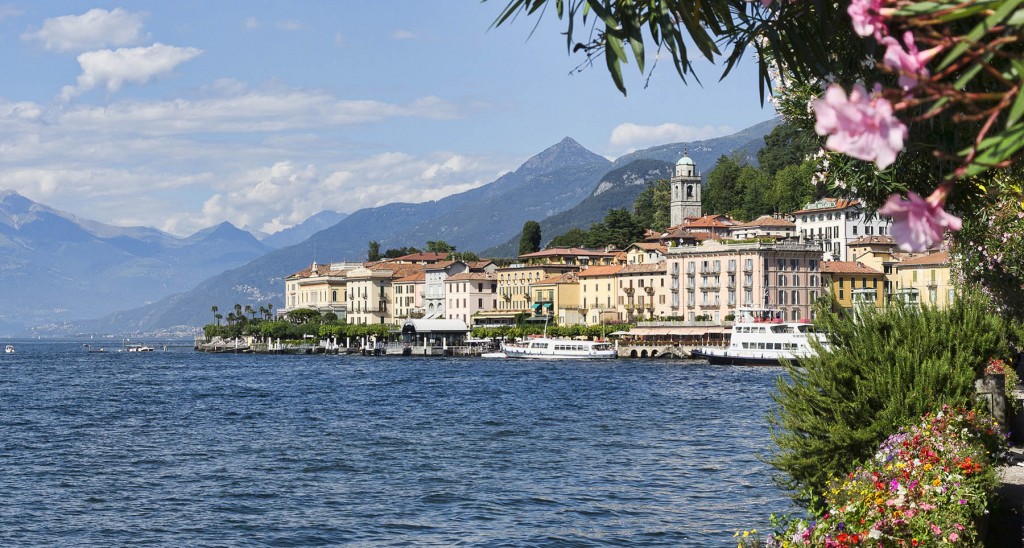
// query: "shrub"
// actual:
[[885, 368]]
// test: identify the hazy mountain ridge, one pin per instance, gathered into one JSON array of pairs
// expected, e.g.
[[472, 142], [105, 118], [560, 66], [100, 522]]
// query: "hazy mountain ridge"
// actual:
[[56, 265], [564, 186]]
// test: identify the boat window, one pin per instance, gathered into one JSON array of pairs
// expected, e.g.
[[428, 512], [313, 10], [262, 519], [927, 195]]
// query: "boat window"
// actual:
[[779, 329], [778, 346], [760, 346], [746, 345]]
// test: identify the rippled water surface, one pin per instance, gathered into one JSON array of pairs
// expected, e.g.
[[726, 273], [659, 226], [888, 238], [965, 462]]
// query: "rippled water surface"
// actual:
[[182, 448]]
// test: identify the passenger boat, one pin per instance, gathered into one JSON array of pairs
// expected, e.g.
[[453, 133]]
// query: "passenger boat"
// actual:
[[759, 339], [560, 349]]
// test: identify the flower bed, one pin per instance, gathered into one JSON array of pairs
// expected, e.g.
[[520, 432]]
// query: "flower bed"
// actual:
[[928, 485]]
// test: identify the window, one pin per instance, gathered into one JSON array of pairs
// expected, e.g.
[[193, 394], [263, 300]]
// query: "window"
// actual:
[[867, 230], [854, 230], [796, 280], [796, 297]]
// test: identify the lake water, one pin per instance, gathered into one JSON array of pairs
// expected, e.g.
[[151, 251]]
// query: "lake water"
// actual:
[[184, 448]]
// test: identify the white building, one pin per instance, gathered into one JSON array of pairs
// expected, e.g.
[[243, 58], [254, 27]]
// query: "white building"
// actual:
[[835, 222], [437, 273]]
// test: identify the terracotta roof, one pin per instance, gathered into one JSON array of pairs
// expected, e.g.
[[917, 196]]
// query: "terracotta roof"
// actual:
[[567, 278], [429, 256], [768, 220], [440, 265], [321, 270], [873, 240], [480, 265], [647, 268], [705, 236], [398, 270], [413, 278], [847, 267], [931, 259], [600, 270], [563, 251], [650, 246], [711, 221], [470, 276], [838, 203]]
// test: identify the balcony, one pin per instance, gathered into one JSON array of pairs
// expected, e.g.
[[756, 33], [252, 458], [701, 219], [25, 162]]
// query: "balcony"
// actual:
[[649, 290], [628, 290]]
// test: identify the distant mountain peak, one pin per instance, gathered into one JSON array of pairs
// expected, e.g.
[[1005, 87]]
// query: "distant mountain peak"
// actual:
[[564, 153]]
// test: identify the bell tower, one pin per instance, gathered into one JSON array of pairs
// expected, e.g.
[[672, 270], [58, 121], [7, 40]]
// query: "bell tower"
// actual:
[[686, 188]]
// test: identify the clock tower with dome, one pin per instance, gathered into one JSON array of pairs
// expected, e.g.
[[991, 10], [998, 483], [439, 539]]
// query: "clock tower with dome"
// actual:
[[686, 189]]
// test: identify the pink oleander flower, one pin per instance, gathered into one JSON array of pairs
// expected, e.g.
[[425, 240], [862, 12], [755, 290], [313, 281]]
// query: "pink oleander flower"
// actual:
[[862, 126], [867, 18], [918, 224], [909, 62]]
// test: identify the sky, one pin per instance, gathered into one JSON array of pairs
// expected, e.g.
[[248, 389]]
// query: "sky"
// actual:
[[181, 115]]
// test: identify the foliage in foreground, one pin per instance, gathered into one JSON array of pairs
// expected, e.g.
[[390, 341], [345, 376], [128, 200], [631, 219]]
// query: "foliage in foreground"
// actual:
[[927, 485], [885, 368]]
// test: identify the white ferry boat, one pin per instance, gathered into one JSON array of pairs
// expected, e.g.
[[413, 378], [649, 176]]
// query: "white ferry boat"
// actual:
[[9, 349], [759, 339], [560, 349]]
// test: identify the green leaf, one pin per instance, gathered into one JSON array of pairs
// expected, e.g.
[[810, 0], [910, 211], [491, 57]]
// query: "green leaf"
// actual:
[[995, 149], [971, 38]]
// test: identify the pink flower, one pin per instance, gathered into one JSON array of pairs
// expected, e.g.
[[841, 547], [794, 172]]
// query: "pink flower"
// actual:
[[909, 63], [862, 126], [867, 18], [953, 537], [918, 224]]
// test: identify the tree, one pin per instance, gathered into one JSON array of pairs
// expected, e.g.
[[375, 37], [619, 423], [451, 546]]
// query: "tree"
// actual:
[[399, 252], [788, 144], [304, 316], [440, 246], [373, 251], [216, 316], [529, 241], [721, 193], [250, 311], [652, 207], [574, 237]]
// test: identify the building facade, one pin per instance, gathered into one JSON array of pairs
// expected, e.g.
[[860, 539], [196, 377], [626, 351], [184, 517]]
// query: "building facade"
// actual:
[[320, 287], [643, 292], [469, 293], [713, 280], [599, 294], [924, 280], [854, 284], [833, 223]]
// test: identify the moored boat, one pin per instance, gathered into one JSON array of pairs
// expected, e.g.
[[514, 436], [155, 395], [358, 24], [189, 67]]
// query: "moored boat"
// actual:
[[560, 349], [759, 339]]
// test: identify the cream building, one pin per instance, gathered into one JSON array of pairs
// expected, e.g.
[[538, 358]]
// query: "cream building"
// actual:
[[645, 253], [854, 283], [371, 295], [320, 287], [643, 292], [409, 293], [715, 279]]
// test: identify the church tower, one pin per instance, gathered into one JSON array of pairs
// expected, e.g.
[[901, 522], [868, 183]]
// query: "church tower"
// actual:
[[685, 191]]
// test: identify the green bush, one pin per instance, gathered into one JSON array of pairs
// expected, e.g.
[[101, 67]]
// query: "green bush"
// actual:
[[884, 369]]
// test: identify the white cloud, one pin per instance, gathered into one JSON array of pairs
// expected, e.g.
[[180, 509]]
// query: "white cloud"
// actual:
[[251, 23], [289, 25], [634, 136], [112, 68], [8, 12], [251, 111], [96, 28], [339, 40], [402, 34]]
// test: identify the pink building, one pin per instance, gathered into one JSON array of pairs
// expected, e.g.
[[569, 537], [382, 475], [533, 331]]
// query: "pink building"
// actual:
[[467, 293]]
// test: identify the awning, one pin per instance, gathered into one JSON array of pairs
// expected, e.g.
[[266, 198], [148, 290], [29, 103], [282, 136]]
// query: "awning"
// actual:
[[537, 306], [547, 305], [691, 331]]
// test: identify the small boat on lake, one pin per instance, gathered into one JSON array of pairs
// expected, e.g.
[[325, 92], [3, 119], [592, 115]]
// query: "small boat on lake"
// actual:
[[9, 349], [91, 350], [758, 338]]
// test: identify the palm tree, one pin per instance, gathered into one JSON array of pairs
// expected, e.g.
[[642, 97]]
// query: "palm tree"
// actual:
[[249, 310], [231, 318], [270, 310], [216, 316], [238, 309], [263, 312]]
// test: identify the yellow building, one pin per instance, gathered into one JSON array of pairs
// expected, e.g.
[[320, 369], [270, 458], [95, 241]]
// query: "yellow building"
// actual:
[[853, 283], [557, 299], [599, 294], [924, 280]]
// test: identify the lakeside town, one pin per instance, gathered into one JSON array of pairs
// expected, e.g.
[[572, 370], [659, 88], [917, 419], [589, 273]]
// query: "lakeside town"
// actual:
[[678, 287]]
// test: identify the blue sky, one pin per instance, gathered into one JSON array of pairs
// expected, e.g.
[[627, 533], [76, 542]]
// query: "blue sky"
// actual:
[[180, 115]]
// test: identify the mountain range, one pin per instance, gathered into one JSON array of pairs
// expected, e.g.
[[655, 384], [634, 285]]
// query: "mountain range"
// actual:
[[562, 187]]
